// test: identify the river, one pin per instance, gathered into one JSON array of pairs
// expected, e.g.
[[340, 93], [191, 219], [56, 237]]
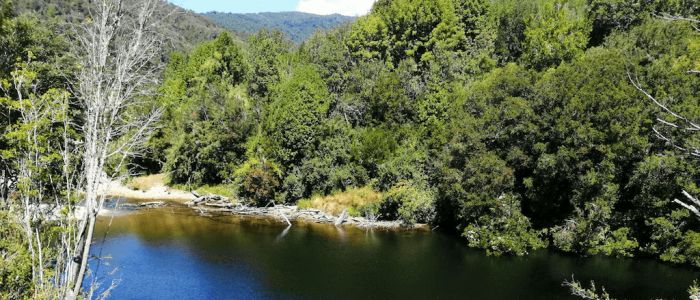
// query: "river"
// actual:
[[173, 253]]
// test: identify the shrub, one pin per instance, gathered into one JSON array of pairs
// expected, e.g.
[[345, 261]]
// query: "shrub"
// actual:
[[260, 182], [690, 248], [293, 189], [408, 203], [503, 229], [619, 244], [15, 261]]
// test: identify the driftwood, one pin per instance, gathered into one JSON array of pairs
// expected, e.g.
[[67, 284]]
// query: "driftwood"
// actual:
[[135, 206], [343, 216], [289, 224], [292, 213], [153, 204], [210, 200]]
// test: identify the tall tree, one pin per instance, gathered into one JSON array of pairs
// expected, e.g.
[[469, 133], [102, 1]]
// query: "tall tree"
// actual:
[[120, 56], [208, 113], [676, 125]]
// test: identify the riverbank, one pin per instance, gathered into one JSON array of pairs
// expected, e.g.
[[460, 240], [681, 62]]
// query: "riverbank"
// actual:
[[211, 205], [156, 190], [288, 214], [151, 190]]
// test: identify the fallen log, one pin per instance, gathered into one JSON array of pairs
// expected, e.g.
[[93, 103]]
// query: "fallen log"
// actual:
[[153, 204], [210, 200], [343, 216]]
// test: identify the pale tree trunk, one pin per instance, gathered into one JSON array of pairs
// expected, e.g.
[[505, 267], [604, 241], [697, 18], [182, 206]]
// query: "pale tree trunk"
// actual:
[[682, 123], [692, 204], [36, 114], [119, 48]]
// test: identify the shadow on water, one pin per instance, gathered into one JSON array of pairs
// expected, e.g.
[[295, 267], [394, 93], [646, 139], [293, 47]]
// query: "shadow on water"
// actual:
[[170, 252]]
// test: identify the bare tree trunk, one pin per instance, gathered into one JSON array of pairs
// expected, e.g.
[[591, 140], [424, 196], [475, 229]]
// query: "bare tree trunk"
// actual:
[[86, 240], [120, 56], [683, 124], [37, 114]]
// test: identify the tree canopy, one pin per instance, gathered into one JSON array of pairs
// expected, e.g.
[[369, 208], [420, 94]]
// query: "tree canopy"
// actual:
[[516, 125], [513, 123]]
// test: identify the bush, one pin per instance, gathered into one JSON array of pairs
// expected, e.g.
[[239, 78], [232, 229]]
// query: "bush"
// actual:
[[293, 189], [690, 248], [408, 203], [503, 230], [15, 261], [260, 182], [479, 192], [619, 244]]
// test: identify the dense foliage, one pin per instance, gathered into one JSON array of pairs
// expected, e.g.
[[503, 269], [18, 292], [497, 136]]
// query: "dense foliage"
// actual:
[[516, 125], [34, 103], [513, 123], [184, 29], [297, 25], [40, 137]]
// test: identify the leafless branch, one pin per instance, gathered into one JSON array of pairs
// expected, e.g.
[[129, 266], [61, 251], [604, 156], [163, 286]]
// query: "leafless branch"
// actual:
[[694, 205], [119, 48]]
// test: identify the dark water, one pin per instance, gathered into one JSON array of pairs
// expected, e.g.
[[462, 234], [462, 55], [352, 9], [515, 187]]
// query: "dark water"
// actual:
[[170, 253]]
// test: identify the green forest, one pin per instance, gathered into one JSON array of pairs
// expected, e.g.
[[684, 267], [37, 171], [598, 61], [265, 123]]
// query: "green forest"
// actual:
[[516, 125]]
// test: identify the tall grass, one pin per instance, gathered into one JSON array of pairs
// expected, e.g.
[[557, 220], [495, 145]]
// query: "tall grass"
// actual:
[[353, 200], [145, 183]]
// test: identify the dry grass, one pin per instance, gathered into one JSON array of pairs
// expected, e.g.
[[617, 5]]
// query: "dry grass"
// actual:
[[352, 200], [226, 190], [145, 183]]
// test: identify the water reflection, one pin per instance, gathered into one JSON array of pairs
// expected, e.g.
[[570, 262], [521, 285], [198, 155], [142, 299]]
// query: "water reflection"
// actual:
[[172, 252], [284, 233]]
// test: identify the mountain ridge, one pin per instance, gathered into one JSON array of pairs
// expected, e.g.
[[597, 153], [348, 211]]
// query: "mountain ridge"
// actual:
[[298, 26], [185, 26]]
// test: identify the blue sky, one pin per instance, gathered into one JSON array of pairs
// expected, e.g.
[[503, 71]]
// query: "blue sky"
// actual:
[[323, 7]]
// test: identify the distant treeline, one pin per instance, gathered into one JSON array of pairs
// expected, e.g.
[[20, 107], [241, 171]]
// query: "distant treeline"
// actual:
[[297, 26]]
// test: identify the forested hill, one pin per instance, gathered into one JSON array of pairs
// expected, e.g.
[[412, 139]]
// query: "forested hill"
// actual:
[[297, 25], [518, 125], [513, 123], [184, 28]]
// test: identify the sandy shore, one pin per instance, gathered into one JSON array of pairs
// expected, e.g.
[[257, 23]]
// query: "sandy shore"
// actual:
[[156, 192]]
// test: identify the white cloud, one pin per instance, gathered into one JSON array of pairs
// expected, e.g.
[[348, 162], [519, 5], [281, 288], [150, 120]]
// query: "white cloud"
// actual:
[[343, 7]]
